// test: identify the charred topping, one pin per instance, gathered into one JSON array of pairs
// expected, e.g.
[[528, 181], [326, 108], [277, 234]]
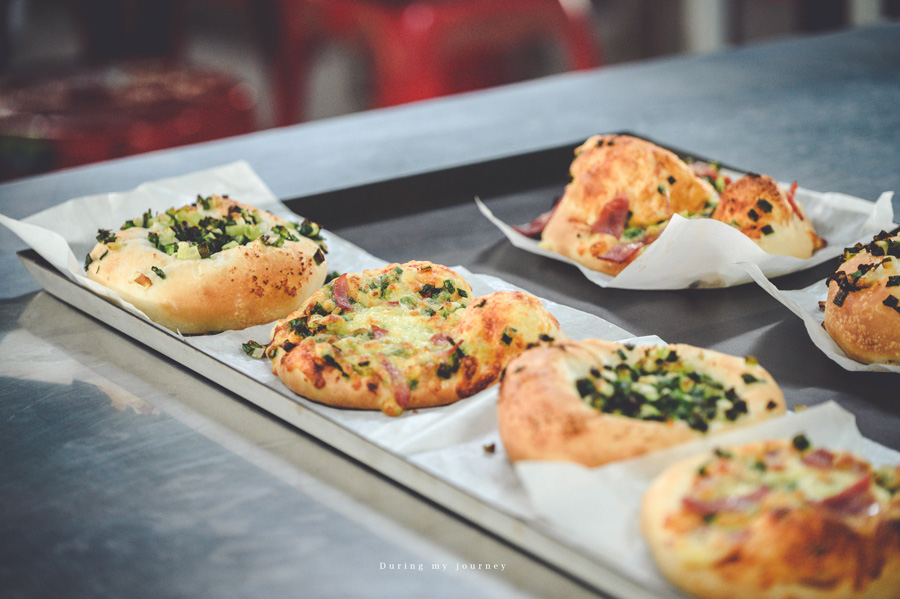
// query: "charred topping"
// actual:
[[187, 233], [658, 386], [253, 349], [882, 245]]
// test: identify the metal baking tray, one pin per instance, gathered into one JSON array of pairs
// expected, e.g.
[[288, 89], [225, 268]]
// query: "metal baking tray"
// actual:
[[369, 215]]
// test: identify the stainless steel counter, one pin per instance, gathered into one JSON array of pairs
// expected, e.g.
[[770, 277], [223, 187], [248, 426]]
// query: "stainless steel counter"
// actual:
[[123, 474]]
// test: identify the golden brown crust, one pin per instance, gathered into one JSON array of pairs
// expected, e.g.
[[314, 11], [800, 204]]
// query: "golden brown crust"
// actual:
[[403, 337], [768, 215], [543, 416], [860, 311], [232, 289], [766, 521], [654, 183]]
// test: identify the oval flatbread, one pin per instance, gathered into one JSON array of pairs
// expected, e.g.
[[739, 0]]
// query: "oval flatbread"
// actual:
[[211, 266], [776, 520], [402, 337], [594, 402]]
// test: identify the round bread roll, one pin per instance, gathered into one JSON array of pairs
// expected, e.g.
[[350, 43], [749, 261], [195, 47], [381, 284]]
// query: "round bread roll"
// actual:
[[623, 192], [211, 266], [862, 312], [594, 402], [402, 337], [768, 215], [776, 520]]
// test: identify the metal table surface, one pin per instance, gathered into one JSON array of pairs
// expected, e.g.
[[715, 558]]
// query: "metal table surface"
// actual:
[[123, 474]]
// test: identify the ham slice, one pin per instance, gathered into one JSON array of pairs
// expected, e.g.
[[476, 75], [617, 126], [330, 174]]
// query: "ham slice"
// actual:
[[398, 383], [622, 252], [732, 503], [536, 227], [612, 217], [820, 458], [339, 291], [855, 500], [790, 198]]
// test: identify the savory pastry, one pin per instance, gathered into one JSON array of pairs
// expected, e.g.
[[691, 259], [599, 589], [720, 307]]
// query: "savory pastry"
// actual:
[[623, 192], [776, 519], [211, 266], [862, 312], [595, 401], [768, 215], [404, 336]]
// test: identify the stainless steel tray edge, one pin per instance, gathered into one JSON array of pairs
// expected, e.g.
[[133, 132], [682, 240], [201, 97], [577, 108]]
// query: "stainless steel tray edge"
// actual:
[[516, 531]]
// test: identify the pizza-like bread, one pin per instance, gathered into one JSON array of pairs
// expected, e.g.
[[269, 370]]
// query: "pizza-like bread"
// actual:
[[862, 312], [769, 215], [776, 520], [623, 192], [402, 337], [210, 266], [594, 401]]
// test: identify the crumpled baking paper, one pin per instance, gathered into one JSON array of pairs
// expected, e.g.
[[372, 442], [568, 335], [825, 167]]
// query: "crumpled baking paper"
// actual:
[[805, 304], [702, 252]]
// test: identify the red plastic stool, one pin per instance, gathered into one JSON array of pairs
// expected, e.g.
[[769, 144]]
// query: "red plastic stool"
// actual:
[[108, 112], [423, 49]]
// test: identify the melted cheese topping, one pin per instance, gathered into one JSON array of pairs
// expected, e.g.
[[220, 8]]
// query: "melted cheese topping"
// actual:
[[734, 486], [395, 316]]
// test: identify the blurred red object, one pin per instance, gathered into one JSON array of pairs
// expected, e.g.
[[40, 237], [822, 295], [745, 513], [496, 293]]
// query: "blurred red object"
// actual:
[[98, 113], [419, 49], [127, 91]]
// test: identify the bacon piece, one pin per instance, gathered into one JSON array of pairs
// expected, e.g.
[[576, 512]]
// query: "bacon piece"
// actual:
[[855, 500], [453, 348], [791, 193], [439, 338], [820, 458], [378, 332], [704, 169], [339, 291], [732, 503], [622, 252], [398, 383], [536, 227], [612, 217]]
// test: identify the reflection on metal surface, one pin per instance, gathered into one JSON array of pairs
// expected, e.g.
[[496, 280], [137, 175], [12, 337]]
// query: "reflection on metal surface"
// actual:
[[123, 470]]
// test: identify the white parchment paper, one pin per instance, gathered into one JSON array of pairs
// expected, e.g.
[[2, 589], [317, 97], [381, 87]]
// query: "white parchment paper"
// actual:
[[805, 304], [700, 253]]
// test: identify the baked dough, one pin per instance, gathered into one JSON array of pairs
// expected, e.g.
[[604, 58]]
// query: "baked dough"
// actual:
[[776, 520], [623, 192], [862, 312], [594, 401], [211, 266], [770, 216], [402, 337]]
